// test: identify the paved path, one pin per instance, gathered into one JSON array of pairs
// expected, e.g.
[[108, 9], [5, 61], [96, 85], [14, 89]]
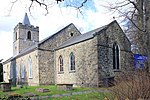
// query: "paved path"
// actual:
[[66, 94]]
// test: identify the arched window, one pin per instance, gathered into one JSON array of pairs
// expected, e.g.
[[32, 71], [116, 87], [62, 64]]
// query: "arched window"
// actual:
[[22, 70], [11, 71], [29, 35], [115, 56], [72, 61], [16, 36], [30, 67], [16, 71], [61, 69]]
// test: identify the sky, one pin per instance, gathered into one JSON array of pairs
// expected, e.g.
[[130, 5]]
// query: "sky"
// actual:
[[93, 15]]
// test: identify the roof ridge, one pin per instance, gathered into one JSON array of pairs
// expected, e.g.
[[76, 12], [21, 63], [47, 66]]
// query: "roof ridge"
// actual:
[[82, 37]]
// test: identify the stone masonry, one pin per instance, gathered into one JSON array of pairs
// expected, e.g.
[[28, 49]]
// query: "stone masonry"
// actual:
[[93, 53], [106, 39], [86, 64], [42, 55], [94, 57], [46, 53]]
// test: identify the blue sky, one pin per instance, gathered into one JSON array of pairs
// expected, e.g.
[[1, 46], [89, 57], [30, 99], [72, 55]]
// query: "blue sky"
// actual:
[[93, 16], [89, 5]]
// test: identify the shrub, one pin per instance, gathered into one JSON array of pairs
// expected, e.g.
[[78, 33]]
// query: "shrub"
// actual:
[[132, 85]]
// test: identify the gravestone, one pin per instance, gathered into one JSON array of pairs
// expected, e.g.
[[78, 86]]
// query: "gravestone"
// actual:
[[42, 90], [5, 87], [65, 86]]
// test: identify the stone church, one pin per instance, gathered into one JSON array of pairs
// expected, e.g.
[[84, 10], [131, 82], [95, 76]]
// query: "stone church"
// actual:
[[67, 57]]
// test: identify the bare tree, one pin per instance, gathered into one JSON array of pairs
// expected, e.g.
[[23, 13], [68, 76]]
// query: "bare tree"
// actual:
[[135, 17], [46, 4]]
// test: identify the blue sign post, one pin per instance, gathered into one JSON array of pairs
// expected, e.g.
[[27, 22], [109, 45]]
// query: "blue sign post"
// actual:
[[139, 61]]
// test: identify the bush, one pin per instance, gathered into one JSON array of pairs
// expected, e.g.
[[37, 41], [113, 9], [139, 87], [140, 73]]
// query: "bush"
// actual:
[[132, 85]]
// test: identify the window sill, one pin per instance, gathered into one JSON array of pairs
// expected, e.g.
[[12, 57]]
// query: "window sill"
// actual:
[[117, 70], [30, 78], [61, 72], [72, 71]]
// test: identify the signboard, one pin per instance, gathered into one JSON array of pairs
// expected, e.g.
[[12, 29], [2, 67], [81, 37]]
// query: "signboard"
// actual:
[[139, 61]]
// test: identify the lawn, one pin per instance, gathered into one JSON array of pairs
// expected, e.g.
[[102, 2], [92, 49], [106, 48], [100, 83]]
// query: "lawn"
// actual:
[[53, 90], [88, 96]]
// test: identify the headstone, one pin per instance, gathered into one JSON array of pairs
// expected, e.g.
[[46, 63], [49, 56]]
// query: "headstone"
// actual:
[[29, 94], [42, 90], [65, 86], [19, 86], [5, 87]]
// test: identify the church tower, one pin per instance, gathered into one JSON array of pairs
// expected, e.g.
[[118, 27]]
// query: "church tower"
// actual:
[[25, 35]]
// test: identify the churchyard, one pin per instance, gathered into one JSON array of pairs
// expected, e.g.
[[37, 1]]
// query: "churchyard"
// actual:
[[52, 92]]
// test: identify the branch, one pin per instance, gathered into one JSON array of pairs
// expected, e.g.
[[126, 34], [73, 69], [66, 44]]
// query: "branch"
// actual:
[[130, 20], [40, 3], [135, 6], [120, 5], [59, 1], [82, 4], [12, 4]]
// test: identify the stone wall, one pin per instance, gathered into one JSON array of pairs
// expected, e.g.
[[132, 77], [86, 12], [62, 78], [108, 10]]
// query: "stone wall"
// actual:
[[6, 72], [46, 67], [106, 39], [31, 81], [86, 64], [42, 59], [12, 69], [34, 80], [46, 53]]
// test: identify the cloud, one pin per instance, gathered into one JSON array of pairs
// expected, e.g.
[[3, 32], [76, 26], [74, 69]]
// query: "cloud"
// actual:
[[6, 45]]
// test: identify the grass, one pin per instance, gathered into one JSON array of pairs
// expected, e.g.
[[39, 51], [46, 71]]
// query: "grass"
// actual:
[[53, 90], [88, 96]]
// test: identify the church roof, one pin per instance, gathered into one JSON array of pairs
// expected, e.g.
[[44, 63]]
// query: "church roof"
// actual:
[[75, 40], [26, 20], [84, 36], [81, 38], [27, 50]]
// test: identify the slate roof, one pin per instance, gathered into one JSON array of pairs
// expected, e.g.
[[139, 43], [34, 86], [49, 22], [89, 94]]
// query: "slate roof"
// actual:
[[69, 42], [25, 51], [26, 20], [81, 38]]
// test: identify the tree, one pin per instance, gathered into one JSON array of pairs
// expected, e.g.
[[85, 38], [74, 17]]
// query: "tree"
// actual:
[[136, 19], [134, 84], [77, 4]]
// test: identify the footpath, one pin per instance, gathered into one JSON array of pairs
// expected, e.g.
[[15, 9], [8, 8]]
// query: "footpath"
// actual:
[[66, 94]]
